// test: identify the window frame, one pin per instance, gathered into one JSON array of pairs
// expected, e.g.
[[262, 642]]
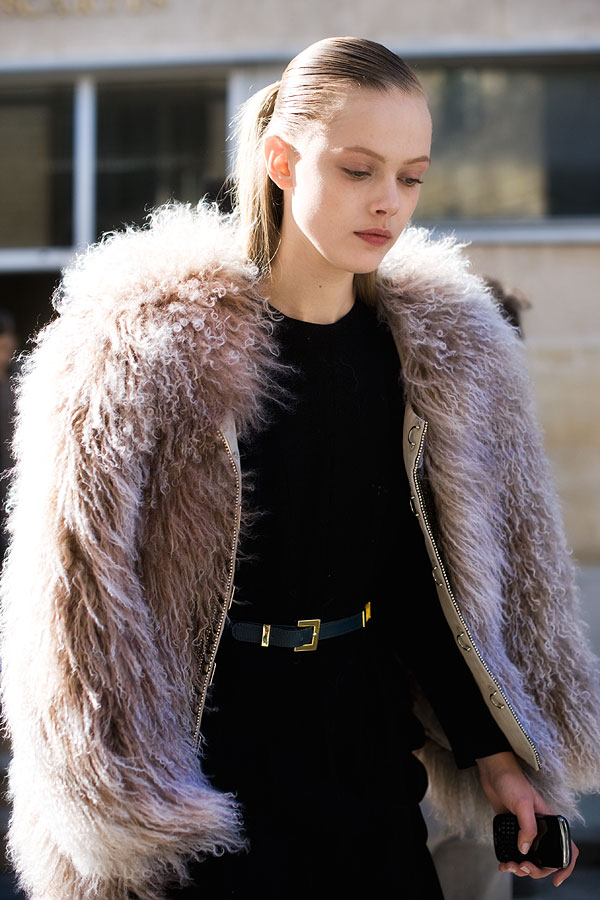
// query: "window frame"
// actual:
[[545, 229], [244, 76]]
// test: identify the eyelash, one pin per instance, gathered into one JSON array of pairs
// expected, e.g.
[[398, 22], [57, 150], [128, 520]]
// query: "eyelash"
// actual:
[[355, 173]]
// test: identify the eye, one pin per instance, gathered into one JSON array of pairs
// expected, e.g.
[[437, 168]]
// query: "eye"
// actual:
[[411, 182], [355, 173]]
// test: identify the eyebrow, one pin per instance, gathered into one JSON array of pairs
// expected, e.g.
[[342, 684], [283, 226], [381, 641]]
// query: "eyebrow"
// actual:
[[382, 158]]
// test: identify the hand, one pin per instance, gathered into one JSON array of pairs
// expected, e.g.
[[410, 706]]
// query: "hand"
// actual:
[[508, 790]]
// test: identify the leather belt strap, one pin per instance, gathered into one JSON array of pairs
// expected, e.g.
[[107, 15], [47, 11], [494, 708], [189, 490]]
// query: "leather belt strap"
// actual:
[[303, 636]]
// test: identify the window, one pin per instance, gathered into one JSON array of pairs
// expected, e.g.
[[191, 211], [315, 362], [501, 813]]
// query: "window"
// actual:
[[157, 142], [512, 143], [36, 167], [26, 295]]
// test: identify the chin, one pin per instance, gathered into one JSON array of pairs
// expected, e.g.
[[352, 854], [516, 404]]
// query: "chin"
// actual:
[[352, 265], [365, 270]]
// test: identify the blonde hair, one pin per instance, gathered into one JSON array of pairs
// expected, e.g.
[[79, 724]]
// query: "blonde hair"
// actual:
[[308, 93]]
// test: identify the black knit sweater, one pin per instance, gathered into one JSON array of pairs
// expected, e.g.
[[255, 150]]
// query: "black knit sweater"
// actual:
[[317, 745], [335, 527]]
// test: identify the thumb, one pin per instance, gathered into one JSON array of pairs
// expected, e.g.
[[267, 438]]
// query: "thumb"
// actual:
[[525, 814]]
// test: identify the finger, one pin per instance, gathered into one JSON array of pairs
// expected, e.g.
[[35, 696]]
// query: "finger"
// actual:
[[563, 874], [528, 868], [539, 805], [512, 869], [524, 812]]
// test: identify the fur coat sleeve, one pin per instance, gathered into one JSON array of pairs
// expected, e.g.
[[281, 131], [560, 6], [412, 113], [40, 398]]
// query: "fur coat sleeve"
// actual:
[[498, 522], [117, 406]]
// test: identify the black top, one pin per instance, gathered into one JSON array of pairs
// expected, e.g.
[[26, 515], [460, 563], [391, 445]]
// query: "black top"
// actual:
[[316, 746], [335, 527]]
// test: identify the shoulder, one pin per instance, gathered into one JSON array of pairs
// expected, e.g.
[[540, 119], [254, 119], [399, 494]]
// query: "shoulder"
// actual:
[[145, 266], [462, 360], [430, 273], [155, 314], [146, 292], [429, 295]]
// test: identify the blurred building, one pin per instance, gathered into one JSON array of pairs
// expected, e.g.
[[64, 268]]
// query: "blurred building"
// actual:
[[109, 107]]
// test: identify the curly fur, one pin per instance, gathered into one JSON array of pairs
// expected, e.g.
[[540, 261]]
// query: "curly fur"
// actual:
[[121, 506], [499, 521]]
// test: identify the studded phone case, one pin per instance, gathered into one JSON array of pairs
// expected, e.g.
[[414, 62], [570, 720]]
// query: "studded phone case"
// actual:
[[551, 847], [506, 830]]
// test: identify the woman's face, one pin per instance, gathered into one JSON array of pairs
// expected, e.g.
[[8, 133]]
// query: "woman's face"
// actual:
[[360, 173]]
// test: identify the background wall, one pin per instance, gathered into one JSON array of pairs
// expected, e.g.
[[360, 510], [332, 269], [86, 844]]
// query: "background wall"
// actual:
[[130, 29], [562, 334]]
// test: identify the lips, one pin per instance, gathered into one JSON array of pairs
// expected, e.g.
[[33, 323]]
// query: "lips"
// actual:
[[382, 232], [375, 236]]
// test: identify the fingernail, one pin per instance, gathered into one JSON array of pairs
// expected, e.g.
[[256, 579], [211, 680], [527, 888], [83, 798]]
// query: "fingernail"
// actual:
[[525, 848], [525, 869]]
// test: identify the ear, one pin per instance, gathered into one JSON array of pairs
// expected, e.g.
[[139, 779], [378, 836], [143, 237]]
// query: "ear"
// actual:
[[279, 160]]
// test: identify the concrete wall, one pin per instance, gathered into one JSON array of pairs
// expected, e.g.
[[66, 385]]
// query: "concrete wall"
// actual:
[[66, 30], [562, 333]]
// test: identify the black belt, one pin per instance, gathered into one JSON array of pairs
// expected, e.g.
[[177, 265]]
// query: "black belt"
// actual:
[[303, 636]]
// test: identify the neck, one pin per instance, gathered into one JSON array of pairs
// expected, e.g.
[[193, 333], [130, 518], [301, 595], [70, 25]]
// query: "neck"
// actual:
[[308, 288]]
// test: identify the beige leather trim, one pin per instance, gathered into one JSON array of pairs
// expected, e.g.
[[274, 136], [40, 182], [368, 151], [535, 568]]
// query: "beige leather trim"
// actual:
[[229, 432], [414, 432], [208, 660]]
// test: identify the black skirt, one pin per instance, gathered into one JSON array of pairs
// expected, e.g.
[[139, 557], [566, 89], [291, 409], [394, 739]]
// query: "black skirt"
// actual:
[[317, 748]]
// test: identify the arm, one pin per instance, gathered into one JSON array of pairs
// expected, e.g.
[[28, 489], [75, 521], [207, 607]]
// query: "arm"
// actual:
[[108, 797], [442, 671], [508, 790], [453, 693], [473, 734], [471, 730]]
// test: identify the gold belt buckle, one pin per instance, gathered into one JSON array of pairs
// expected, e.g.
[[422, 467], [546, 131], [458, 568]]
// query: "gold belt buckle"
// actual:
[[316, 626]]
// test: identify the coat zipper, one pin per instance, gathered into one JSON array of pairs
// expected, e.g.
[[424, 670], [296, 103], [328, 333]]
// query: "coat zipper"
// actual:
[[228, 591], [442, 569]]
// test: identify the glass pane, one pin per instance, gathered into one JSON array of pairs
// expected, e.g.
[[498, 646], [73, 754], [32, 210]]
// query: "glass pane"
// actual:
[[512, 143], [155, 143], [36, 167], [27, 296]]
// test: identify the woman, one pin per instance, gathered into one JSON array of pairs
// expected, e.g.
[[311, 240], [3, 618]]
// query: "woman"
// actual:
[[259, 379]]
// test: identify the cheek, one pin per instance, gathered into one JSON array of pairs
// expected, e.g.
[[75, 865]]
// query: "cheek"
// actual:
[[410, 203], [417, 195], [314, 207]]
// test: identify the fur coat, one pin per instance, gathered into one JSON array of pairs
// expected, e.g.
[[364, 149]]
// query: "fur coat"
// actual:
[[121, 505]]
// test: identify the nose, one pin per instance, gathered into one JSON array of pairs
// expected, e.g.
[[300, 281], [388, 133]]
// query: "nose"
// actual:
[[387, 200]]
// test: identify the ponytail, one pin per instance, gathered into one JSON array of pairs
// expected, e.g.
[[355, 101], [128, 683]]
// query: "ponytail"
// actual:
[[365, 287], [259, 200]]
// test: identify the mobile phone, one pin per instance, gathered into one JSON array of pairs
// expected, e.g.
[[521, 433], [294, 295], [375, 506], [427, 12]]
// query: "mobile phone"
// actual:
[[551, 847]]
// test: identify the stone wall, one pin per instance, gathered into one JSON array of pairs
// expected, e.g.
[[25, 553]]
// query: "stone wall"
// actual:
[[562, 334], [63, 31]]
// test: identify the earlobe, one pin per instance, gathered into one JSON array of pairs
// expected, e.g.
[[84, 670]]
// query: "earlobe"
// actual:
[[277, 161]]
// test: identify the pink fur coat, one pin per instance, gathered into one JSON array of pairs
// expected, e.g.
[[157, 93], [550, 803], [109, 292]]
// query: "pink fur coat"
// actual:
[[121, 506]]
